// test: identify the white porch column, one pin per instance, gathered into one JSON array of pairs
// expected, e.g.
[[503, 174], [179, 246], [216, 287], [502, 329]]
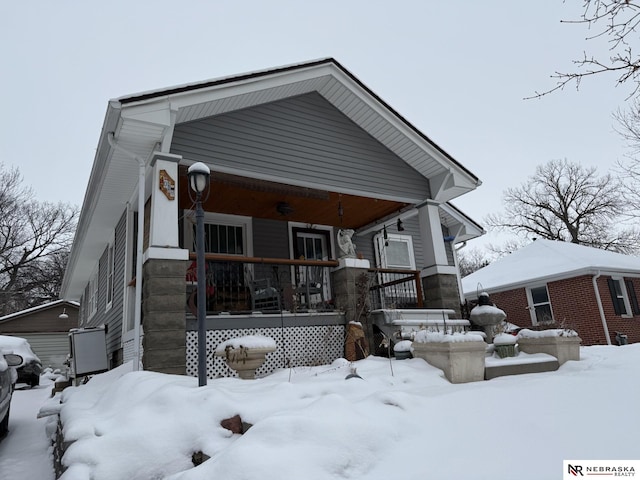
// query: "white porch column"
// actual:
[[435, 254], [439, 279], [163, 218]]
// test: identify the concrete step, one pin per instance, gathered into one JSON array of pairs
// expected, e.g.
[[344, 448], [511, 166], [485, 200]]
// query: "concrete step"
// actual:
[[520, 364]]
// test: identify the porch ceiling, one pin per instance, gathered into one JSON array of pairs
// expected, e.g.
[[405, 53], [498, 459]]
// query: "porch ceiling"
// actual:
[[236, 195]]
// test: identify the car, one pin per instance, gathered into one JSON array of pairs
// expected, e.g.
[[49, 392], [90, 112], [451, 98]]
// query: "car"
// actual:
[[31, 368], [8, 377]]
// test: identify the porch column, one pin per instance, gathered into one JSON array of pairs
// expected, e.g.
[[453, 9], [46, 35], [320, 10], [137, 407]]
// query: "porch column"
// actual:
[[439, 279], [351, 292], [163, 215], [165, 264]]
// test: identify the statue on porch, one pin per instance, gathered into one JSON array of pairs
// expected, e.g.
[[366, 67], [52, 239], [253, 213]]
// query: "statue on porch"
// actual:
[[345, 244]]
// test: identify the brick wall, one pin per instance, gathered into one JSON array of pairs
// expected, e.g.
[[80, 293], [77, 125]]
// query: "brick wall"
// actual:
[[574, 305]]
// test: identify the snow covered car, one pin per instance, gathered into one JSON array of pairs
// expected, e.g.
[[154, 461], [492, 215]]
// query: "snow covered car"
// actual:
[[8, 377], [31, 368]]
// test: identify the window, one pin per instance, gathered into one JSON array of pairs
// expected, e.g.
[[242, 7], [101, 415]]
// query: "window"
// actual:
[[92, 305], [539, 305], [623, 296], [110, 269], [395, 251], [224, 234], [227, 239]]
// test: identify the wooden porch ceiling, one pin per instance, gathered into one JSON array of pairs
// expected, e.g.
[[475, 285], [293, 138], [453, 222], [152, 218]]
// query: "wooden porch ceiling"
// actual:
[[237, 195]]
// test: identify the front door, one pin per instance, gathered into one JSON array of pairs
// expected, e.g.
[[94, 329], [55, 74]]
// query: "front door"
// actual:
[[312, 282]]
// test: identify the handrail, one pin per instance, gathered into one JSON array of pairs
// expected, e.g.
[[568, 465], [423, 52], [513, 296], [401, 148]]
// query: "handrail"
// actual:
[[217, 257], [416, 279]]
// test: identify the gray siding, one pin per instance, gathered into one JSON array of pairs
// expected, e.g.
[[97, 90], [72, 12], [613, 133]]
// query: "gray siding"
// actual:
[[303, 139], [270, 238], [112, 317], [365, 244]]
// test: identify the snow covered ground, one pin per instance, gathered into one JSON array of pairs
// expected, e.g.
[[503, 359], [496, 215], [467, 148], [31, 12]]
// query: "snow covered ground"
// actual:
[[311, 423], [25, 454]]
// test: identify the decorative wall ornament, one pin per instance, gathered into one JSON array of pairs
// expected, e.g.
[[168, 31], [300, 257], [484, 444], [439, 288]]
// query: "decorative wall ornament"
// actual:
[[167, 185]]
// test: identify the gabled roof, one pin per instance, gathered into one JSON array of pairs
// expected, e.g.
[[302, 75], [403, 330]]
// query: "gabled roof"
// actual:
[[44, 306], [547, 260], [141, 122]]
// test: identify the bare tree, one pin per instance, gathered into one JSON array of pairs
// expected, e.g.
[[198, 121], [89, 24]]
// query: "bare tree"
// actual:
[[471, 260], [628, 126], [35, 237], [617, 22], [571, 203]]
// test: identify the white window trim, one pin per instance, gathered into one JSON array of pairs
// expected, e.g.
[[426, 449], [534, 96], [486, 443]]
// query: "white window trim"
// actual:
[[128, 307], [532, 307], [93, 294], [625, 296], [110, 282], [220, 219], [324, 228]]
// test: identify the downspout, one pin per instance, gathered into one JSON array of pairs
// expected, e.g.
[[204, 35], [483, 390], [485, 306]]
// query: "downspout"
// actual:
[[599, 300], [138, 295]]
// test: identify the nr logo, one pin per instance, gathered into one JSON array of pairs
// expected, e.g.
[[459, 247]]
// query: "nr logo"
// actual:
[[575, 470]]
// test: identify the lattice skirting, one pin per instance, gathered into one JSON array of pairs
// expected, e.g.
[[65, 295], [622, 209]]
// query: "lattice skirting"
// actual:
[[303, 346], [127, 350]]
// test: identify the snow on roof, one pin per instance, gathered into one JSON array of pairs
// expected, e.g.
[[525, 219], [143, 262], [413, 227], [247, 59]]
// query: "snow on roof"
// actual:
[[44, 306], [547, 260]]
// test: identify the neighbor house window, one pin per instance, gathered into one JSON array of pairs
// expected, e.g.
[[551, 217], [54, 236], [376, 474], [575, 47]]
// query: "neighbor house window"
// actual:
[[623, 296], [539, 305]]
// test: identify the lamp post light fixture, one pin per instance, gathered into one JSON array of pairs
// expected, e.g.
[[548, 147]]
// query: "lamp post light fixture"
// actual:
[[198, 175]]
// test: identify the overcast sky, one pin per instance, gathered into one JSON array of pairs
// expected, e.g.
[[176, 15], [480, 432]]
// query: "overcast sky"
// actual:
[[457, 70]]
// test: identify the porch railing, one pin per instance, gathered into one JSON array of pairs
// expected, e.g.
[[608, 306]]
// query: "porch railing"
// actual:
[[395, 288], [269, 285]]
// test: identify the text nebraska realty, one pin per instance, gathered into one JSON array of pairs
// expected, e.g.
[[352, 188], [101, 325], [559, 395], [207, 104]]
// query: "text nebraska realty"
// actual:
[[600, 470]]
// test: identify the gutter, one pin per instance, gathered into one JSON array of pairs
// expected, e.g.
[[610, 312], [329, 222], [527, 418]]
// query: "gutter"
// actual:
[[140, 240], [599, 300]]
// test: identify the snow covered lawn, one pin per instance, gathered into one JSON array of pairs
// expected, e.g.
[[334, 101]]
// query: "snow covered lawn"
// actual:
[[312, 424], [25, 453]]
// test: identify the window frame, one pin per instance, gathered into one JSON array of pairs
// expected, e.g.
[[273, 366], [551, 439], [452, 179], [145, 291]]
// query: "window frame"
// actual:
[[246, 223], [531, 306], [381, 258], [92, 301], [622, 299], [110, 283]]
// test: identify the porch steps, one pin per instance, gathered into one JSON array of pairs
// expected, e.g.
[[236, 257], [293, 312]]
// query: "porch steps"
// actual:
[[520, 364]]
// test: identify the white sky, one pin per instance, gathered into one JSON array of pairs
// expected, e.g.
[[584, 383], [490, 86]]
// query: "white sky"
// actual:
[[457, 70]]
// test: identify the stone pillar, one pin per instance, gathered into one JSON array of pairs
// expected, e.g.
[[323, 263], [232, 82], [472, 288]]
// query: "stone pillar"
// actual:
[[441, 291], [439, 279], [164, 316], [351, 293]]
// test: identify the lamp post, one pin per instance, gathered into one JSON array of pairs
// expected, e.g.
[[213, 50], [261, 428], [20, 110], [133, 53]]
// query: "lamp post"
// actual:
[[198, 175]]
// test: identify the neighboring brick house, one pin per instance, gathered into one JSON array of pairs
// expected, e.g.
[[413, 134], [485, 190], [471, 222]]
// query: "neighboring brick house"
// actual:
[[593, 291]]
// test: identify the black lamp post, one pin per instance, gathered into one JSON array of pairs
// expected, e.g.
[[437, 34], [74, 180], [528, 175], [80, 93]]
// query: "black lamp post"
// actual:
[[198, 174]]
